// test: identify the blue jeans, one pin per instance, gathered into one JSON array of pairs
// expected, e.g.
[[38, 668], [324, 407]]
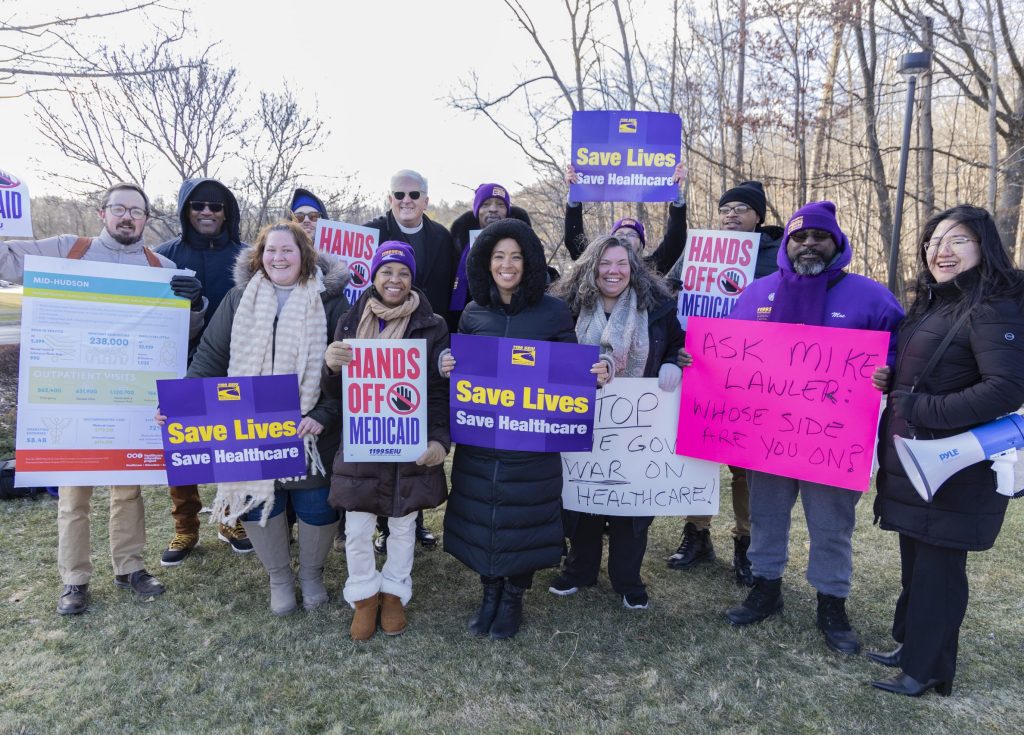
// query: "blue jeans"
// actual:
[[310, 506]]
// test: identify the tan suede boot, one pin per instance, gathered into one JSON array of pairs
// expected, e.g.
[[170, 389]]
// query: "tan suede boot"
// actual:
[[364, 620], [392, 614]]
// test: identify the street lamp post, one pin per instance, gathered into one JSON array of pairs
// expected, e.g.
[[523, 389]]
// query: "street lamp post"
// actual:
[[911, 65]]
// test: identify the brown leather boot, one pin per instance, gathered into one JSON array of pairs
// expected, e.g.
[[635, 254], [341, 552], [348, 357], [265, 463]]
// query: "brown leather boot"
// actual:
[[392, 614], [364, 620]]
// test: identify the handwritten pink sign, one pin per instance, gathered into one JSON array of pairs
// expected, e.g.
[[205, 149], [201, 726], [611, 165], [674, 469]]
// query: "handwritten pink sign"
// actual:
[[787, 399]]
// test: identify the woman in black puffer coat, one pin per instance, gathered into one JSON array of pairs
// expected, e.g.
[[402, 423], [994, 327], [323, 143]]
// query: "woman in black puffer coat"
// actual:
[[980, 377], [503, 518]]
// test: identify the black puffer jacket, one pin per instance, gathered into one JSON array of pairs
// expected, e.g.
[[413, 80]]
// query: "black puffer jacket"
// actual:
[[504, 514], [395, 489], [979, 378], [214, 353]]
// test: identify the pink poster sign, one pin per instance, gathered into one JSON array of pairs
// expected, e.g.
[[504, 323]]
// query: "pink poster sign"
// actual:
[[787, 399]]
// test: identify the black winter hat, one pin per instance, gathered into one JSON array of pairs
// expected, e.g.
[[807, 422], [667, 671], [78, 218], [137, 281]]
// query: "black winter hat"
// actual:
[[478, 264], [748, 192]]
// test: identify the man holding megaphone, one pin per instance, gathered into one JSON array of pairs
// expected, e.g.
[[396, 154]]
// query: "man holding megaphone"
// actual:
[[960, 366]]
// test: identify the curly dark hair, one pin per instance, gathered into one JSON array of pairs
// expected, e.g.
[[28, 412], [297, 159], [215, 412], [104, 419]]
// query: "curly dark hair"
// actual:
[[579, 289]]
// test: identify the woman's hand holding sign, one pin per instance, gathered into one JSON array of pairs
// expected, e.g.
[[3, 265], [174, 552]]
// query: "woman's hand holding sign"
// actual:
[[338, 355], [309, 426], [434, 455], [447, 363], [600, 369]]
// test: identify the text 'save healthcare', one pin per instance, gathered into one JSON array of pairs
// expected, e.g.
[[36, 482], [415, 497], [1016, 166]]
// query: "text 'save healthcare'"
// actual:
[[787, 399], [231, 429], [384, 400], [528, 395]]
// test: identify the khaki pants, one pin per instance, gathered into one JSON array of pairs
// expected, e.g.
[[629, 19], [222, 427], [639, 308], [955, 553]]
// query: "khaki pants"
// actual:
[[740, 506], [127, 531]]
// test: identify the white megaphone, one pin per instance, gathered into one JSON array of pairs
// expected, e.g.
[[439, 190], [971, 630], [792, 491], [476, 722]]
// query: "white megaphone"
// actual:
[[930, 462]]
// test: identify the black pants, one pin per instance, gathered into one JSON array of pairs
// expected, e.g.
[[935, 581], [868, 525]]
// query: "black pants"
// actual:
[[525, 580], [626, 549], [930, 608]]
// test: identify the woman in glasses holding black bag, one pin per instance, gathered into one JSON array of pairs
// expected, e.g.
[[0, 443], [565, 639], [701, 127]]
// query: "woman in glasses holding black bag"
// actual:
[[960, 364]]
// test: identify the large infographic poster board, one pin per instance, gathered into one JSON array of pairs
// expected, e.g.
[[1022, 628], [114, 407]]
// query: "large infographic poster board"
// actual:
[[95, 338]]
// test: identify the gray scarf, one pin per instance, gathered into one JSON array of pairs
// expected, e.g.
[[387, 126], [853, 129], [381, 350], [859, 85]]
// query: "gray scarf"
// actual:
[[623, 336]]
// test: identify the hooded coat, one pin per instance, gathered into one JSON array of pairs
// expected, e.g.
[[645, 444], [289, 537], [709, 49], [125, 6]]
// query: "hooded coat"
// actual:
[[214, 353], [851, 302], [394, 489], [435, 266], [212, 258], [979, 379], [504, 514], [460, 230]]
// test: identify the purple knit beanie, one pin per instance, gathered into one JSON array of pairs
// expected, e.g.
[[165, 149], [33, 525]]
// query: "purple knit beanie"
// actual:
[[487, 191], [816, 216], [393, 251], [633, 224]]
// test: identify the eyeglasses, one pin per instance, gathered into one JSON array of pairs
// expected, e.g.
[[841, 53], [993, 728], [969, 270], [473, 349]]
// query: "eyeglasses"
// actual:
[[804, 235], [118, 210], [956, 244], [303, 216], [737, 208], [214, 207], [400, 195]]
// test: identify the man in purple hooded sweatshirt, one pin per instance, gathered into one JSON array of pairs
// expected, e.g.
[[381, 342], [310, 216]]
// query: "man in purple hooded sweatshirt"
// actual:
[[810, 287]]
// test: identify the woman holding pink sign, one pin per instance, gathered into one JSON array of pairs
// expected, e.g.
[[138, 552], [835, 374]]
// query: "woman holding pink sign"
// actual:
[[391, 309], [621, 305]]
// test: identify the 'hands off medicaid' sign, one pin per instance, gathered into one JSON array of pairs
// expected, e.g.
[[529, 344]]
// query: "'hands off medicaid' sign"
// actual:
[[15, 207], [625, 156]]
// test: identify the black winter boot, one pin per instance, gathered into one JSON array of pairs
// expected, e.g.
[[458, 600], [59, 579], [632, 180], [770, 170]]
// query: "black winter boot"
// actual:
[[510, 612], [740, 562], [833, 622], [480, 624], [693, 549], [763, 601]]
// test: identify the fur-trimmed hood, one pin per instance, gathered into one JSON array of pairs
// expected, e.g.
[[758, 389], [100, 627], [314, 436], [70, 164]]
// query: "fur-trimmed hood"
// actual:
[[468, 221], [335, 276], [535, 273]]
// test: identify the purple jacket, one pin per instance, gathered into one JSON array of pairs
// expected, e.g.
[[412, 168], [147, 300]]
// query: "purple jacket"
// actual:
[[852, 302]]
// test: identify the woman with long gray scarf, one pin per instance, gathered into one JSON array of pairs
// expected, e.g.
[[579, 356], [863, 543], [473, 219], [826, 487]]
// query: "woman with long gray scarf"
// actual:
[[274, 322], [621, 305], [391, 309]]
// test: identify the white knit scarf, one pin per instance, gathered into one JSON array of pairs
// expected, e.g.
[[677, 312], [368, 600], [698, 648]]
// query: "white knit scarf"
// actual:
[[257, 348], [623, 335]]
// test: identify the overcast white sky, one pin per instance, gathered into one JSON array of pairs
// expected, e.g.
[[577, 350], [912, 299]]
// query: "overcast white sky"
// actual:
[[378, 73]]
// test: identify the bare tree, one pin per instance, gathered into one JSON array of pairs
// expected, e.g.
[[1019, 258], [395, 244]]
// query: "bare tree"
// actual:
[[50, 48], [271, 158]]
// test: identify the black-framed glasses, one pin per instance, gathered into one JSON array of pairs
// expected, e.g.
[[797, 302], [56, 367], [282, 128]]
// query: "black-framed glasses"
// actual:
[[737, 208], [303, 216], [214, 207], [118, 210], [400, 195], [958, 245], [804, 235]]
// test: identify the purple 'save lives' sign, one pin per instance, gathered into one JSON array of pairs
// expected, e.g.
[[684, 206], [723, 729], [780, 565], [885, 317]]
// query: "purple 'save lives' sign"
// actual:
[[231, 429], [522, 394], [625, 156]]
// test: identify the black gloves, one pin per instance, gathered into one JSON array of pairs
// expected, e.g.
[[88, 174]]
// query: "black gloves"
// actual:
[[188, 287]]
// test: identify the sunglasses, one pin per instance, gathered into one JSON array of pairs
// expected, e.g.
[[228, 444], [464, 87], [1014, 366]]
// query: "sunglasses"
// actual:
[[212, 206], [804, 235], [400, 195], [303, 216]]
